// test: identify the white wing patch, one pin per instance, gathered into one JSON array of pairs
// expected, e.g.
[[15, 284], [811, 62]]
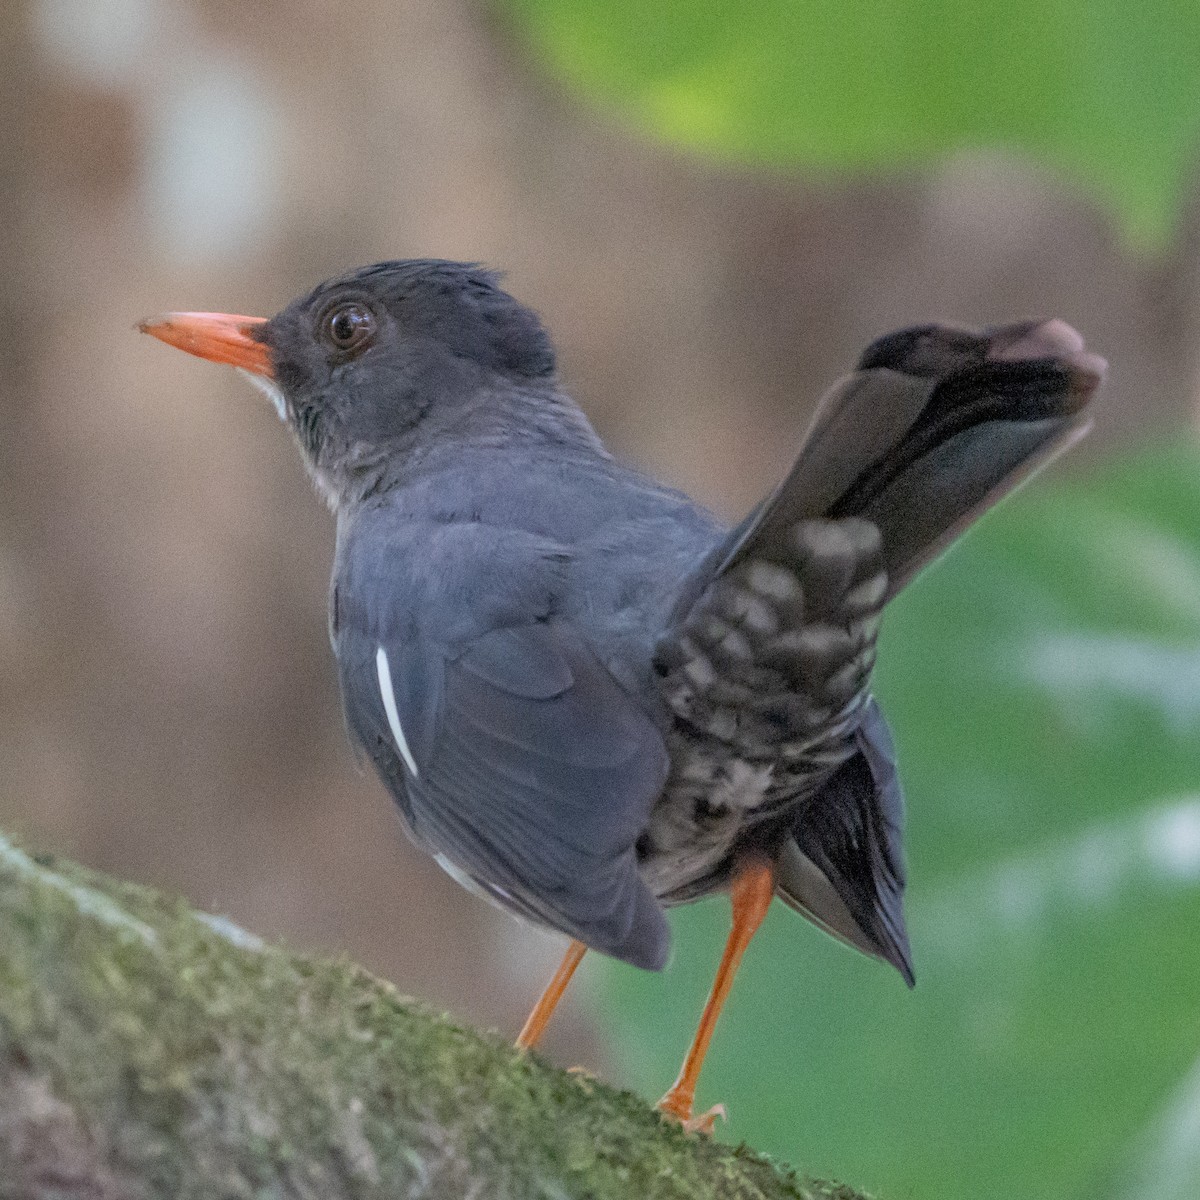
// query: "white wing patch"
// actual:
[[493, 897], [462, 878], [384, 671], [269, 388]]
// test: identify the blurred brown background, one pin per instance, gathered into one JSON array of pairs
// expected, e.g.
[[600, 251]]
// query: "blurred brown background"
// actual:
[[167, 701]]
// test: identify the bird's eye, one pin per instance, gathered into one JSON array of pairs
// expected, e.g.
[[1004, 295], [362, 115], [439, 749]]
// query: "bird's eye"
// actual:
[[349, 326]]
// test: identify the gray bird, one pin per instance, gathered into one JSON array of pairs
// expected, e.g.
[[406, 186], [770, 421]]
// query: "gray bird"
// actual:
[[589, 699]]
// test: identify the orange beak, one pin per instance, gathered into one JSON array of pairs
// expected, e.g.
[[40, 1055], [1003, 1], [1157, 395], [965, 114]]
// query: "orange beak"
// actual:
[[219, 337]]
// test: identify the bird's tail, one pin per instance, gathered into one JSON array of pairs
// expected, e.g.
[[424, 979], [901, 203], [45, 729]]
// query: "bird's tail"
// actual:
[[933, 427]]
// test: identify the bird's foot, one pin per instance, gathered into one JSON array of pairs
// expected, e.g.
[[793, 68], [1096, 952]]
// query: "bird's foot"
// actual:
[[677, 1106]]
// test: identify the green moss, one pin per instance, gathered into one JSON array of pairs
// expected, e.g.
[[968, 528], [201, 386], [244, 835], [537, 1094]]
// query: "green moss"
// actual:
[[185, 1059]]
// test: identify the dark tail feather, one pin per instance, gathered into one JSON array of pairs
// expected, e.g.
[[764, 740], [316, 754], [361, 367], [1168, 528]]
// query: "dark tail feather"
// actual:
[[843, 865], [934, 426]]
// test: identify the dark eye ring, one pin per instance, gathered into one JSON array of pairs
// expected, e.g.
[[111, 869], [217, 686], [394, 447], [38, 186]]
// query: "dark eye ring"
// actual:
[[349, 326]]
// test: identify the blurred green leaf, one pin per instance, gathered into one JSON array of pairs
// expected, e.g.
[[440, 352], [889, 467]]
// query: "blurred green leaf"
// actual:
[[1043, 681], [1108, 92]]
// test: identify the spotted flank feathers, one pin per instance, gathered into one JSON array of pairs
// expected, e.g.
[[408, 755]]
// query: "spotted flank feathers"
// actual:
[[774, 660], [766, 678]]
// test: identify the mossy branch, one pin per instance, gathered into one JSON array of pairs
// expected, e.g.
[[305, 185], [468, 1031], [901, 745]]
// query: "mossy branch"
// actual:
[[147, 1050]]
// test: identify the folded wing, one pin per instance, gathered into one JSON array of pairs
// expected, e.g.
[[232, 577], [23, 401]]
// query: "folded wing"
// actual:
[[523, 765]]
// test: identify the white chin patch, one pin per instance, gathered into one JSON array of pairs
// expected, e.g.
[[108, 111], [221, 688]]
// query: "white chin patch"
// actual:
[[269, 388]]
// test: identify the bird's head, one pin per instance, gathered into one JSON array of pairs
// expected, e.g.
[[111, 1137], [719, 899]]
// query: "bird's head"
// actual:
[[369, 363]]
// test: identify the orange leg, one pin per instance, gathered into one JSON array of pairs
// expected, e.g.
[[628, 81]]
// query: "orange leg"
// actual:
[[753, 887], [544, 1009]]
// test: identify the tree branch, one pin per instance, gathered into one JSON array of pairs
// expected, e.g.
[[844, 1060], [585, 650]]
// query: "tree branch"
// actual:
[[147, 1050]]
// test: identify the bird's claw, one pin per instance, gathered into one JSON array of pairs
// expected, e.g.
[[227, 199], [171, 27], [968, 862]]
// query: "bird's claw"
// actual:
[[706, 1122], [678, 1108]]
